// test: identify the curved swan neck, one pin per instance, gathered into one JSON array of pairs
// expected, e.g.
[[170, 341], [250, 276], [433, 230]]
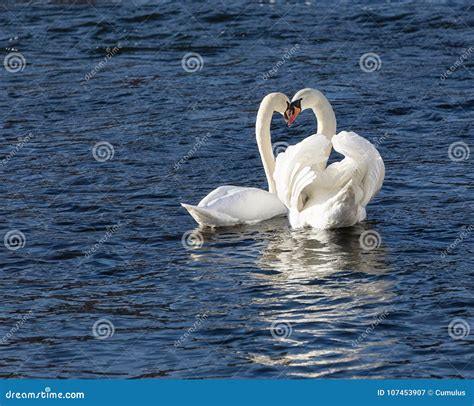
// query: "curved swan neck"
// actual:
[[268, 106], [325, 117]]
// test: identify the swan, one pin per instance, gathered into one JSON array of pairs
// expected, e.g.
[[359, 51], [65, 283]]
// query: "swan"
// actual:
[[321, 196], [233, 205]]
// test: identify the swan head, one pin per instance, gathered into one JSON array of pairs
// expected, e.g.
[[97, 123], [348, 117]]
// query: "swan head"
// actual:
[[292, 111], [276, 102], [304, 99]]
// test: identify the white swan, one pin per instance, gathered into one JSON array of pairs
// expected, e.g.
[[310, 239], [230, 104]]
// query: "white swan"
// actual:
[[233, 205], [323, 196]]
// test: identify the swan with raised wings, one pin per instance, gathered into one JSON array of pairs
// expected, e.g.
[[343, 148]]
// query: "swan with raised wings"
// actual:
[[318, 195], [233, 205]]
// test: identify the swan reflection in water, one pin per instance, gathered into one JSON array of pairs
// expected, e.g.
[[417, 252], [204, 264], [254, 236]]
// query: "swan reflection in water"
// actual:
[[318, 293]]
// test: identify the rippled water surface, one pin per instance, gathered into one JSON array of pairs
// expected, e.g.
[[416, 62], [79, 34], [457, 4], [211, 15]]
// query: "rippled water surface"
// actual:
[[102, 237]]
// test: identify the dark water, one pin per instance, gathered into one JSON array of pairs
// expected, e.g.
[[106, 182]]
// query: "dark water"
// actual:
[[103, 240]]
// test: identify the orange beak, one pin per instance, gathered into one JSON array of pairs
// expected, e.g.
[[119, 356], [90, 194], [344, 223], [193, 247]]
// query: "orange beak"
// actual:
[[291, 113]]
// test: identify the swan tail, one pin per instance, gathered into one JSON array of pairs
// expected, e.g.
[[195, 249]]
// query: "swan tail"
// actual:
[[209, 218]]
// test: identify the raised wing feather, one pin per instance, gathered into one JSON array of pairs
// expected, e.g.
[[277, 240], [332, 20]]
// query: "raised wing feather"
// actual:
[[298, 167], [363, 162]]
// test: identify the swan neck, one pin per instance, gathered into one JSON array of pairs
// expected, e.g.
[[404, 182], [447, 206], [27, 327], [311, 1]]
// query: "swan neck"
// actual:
[[264, 142], [325, 117]]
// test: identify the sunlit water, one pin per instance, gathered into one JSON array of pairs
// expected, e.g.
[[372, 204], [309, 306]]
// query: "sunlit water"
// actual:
[[103, 239]]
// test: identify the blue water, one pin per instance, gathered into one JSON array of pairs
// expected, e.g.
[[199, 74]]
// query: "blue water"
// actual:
[[101, 241]]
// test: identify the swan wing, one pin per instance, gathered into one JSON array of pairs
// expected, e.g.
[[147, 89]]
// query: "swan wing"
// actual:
[[298, 167], [233, 205], [362, 163]]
